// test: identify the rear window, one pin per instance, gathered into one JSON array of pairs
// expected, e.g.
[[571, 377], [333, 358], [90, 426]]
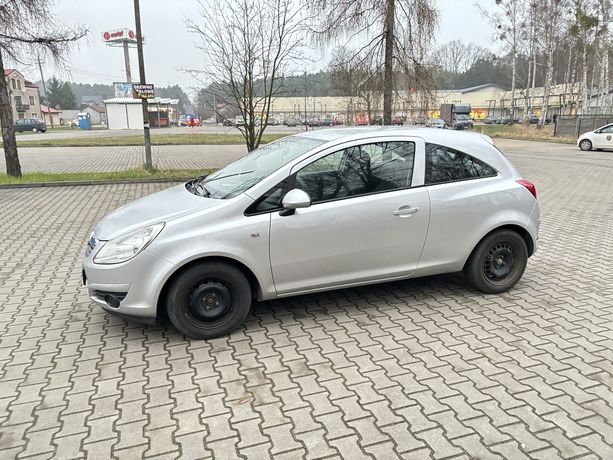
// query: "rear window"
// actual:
[[445, 164]]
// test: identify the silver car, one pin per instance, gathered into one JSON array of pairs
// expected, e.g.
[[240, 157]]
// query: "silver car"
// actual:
[[321, 210]]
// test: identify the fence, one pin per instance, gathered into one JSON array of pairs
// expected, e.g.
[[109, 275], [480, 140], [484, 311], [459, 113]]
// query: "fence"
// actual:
[[574, 126]]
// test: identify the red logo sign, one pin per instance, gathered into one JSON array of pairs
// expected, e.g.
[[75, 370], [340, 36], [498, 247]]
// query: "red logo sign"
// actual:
[[106, 35], [131, 34]]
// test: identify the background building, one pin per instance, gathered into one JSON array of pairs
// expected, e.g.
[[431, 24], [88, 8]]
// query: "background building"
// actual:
[[23, 94]]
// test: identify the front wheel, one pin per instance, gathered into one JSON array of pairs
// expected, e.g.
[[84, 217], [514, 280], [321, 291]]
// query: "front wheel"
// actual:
[[209, 300], [585, 145], [498, 262], [34, 130]]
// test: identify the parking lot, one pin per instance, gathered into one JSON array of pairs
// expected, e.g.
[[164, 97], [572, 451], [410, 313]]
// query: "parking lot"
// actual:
[[425, 368]]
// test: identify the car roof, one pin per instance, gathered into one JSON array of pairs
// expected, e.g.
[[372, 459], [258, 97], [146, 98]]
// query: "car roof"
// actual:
[[438, 136]]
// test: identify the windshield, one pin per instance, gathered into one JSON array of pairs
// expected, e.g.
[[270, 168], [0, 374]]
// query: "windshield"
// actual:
[[252, 168], [462, 117]]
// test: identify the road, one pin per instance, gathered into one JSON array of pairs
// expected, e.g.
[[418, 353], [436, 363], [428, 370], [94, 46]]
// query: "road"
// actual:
[[425, 368]]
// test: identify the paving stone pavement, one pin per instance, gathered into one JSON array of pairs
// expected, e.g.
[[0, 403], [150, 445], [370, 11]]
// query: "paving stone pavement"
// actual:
[[424, 368], [120, 158]]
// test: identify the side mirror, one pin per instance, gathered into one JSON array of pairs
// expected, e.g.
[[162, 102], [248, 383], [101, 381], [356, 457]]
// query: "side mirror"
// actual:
[[293, 200]]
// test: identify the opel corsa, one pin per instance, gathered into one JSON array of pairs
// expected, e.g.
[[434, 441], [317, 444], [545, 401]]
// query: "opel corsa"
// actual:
[[322, 210]]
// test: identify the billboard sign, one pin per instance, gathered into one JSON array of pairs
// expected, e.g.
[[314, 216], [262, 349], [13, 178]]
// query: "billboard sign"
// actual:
[[122, 89], [143, 91], [119, 36]]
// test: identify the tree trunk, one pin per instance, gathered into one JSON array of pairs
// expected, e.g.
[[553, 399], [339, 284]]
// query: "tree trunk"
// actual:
[[548, 83], [584, 95], [388, 77], [13, 168]]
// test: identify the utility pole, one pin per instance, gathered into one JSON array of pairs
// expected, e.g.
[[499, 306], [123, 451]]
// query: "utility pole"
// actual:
[[143, 80], [42, 79], [126, 59]]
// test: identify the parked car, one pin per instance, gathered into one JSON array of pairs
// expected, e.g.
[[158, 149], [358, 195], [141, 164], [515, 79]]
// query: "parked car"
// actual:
[[291, 121], [398, 120], [436, 123], [532, 119], [491, 119], [30, 124], [601, 138], [314, 122], [377, 120], [361, 121], [228, 122], [239, 121], [327, 121], [320, 210]]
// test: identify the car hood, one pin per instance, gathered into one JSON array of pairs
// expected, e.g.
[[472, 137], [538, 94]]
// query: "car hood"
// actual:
[[163, 206]]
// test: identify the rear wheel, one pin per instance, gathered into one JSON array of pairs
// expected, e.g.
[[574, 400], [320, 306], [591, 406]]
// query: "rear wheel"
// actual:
[[585, 145], [209, 300], [498, 262]]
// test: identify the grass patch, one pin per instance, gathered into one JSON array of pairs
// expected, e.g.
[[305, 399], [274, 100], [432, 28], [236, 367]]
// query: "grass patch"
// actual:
[[528, 133], [158, 139], [132, 174]]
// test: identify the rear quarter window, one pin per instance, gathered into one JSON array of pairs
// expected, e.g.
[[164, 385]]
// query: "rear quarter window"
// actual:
[[445, 164]]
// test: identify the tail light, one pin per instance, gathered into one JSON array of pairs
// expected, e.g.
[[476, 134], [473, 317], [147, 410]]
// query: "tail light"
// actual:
[[529, 185]]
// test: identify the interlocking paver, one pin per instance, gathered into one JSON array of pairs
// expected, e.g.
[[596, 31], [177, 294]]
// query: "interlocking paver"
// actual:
[[413, 369]]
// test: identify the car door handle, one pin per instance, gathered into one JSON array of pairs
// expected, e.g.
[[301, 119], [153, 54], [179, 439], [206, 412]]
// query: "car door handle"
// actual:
[[405, 211]]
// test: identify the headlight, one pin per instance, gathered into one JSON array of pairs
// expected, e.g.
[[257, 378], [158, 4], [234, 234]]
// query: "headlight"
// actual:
[[127, 246]]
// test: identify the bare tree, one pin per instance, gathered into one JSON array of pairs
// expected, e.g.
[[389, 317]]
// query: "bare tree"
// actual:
[[604, 46], [247, 46], [583, 27], [357, 76], [399, 32], [550, 11], [509, 23], [456, 57], [27, 28]]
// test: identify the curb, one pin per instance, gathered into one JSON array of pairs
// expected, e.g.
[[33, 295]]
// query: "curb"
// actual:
[[95, 182]]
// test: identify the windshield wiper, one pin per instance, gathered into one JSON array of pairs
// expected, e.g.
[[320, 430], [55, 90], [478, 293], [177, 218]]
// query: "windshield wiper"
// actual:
[[197, 188], [230, 175]]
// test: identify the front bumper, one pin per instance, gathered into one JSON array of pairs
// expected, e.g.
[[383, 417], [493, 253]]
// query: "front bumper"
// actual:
[[135, 285]]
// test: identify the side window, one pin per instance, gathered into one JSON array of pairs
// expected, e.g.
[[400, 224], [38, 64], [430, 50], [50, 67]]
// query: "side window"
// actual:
[[359, 170], [444, 164], [607, 130]]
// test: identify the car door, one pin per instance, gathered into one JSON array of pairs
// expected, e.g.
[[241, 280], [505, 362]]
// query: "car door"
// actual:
[[603, 138], [367, 220], [19, 126]]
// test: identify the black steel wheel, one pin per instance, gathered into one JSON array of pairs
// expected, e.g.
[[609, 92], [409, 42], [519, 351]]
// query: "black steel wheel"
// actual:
[[498, 262], [209, 300]]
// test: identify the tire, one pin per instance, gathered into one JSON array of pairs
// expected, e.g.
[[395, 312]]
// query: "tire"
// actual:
[[497, 263], [209, 300], [34, 130], [585, 145]]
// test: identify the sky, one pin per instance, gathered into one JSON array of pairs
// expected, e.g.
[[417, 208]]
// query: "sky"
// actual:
[[170, 48]]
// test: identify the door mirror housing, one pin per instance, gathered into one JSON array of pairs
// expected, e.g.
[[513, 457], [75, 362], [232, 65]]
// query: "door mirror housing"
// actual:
[[293, 200]]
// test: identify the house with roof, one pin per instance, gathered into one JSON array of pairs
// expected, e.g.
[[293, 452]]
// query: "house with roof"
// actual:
[[97, 113], [51, 116], [23, 94]]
